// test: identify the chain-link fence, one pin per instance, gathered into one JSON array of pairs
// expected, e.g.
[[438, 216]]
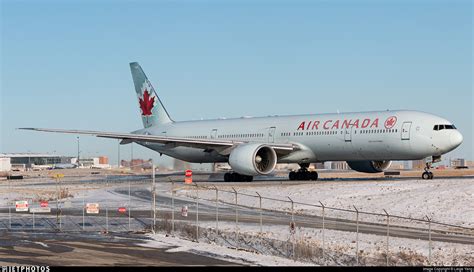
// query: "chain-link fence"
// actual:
[[286, 227], [316, 232]]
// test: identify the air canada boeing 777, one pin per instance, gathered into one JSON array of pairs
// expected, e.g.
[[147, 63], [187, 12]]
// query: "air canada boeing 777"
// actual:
[[368, 141]]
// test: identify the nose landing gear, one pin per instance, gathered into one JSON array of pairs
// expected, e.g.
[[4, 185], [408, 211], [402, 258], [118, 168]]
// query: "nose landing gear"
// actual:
[[303, 173], [427, 174]]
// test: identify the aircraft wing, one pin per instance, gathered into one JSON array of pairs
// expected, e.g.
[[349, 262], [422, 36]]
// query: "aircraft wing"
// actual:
[[222, 146]]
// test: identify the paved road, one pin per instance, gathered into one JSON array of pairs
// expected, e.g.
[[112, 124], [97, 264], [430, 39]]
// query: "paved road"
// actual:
[[59, 249]]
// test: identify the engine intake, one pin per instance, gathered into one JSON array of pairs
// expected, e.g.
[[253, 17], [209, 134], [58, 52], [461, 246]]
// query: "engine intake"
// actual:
[[253, 159], [369, 166]]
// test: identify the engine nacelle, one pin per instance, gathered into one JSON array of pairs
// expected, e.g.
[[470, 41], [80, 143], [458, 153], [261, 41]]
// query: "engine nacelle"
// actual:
[[369, 166], [253, 159]]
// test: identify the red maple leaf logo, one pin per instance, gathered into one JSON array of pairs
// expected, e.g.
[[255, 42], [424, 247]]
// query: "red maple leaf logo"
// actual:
[[147, 103], [390, 122]]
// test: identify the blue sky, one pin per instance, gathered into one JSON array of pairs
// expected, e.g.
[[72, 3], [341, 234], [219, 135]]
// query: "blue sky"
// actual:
[[64, 64]]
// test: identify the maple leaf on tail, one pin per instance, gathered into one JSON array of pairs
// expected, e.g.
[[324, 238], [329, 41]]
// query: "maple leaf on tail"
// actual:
[[147, 103]]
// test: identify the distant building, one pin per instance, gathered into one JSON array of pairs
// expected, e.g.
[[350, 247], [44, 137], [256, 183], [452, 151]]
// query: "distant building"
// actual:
[[103, 160], [419, 164], [24, 161], [137, 164], [340, 165], [95, 162], [318, 165], [458, 162], [397, 166], [5, 164]]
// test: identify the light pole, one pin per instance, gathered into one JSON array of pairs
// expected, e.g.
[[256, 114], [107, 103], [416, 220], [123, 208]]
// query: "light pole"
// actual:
[[78, 151], [118, 151], [131, 156]]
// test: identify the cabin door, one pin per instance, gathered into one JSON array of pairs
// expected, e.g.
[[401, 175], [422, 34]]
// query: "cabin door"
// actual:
[[406, 130], [271, 134]]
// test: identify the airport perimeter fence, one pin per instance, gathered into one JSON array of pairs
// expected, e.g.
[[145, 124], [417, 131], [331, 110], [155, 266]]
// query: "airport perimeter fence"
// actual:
[[285, 227], [313, 232], [87, 211]]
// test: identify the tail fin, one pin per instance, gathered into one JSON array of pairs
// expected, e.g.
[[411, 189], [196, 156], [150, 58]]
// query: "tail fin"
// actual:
[[152, 110]]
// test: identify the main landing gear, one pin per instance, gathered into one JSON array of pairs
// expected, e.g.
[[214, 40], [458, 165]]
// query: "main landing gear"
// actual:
[[236, 177], [303, 173], [427, 174]]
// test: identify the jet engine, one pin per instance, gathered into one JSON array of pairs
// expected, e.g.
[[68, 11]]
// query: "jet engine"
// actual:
[[253, 159], [369, 166]]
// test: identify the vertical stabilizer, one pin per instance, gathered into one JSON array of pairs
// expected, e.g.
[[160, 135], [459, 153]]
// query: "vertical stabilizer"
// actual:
[[152, 111]]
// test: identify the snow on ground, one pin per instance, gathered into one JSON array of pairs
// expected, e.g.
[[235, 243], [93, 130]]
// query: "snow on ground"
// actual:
[[219, 252], [370, 246], [76, 194], [445, 200]]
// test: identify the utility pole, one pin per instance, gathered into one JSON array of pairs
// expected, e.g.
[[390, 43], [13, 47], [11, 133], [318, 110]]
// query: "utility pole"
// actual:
[[78, 152], [118, 151], [131, 156]]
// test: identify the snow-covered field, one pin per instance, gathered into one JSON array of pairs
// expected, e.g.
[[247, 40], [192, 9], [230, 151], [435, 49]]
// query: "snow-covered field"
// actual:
[[219, 252], [372, 248], [445, 200], [448, 201]]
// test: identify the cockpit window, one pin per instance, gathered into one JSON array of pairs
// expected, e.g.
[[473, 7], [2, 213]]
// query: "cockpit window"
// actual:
[[441, 127]]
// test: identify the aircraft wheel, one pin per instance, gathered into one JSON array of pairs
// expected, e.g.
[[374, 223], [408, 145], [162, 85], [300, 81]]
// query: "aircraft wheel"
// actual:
[[425, 175], [299, 176], [430, 175], [314, 175], [292, 175], [227, 177]]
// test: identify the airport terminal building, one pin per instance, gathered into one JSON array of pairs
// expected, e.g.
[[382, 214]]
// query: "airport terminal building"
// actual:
[[24, 161]]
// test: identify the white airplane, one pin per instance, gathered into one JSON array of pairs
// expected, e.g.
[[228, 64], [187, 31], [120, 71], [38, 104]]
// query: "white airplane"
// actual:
[[368, 141]]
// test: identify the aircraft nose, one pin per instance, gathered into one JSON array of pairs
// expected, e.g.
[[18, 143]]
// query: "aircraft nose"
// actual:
[[456, 138]]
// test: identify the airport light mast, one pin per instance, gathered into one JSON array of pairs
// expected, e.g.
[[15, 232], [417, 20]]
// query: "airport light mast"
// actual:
[[77, 151]]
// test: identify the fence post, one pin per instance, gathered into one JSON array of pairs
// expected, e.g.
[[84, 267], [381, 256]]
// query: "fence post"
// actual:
[[217, 210], [292, 224], [260, 207], [57, 201], [84, 207], [322, 205], [10, 215], [129, 203], [236, 217], [388, 233], [154, 195], [429, 240], [197, 213], [106, 206], [172, 206], [357, 234]]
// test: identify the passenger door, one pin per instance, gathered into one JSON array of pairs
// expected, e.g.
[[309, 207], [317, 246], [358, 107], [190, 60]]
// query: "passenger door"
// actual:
[[271, 134], [348, 134], [214, 134], [406, 130]]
